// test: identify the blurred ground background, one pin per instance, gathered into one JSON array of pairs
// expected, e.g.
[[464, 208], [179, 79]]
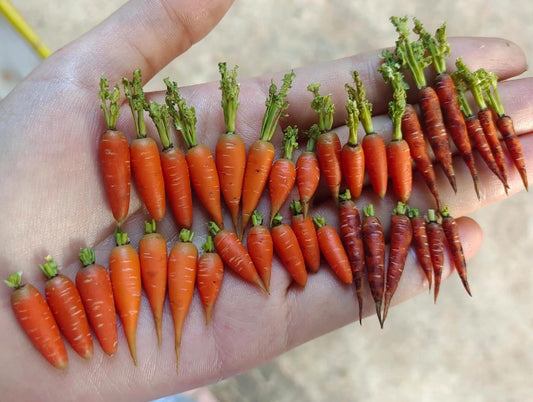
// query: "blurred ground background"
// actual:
[[478, 349]]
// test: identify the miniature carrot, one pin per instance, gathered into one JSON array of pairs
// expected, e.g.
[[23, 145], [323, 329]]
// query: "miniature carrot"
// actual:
[[182, 268], [261, 153], [260, 248], [436, 241], [234, 255], [209, 277], [175, 168], [230, 152], [153, 260], [96, 293], [308, 170], [114, 154], [125, 274], [36, 319], [444, 86], [145, 160], [374, 247], [352, 155], [200, 159], [283, 173], [305, 231], [401, 235], [451, 231], [332, 249], [66, 306], [328, 145], [288, 250], [420, 243], [352, 238]]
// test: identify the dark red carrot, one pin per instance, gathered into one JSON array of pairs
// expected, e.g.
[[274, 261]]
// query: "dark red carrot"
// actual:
[[352, 238], [436, 240], [308, 170], [401, 235], [305, 232], [260, 247], [421, 244], [374, 246]]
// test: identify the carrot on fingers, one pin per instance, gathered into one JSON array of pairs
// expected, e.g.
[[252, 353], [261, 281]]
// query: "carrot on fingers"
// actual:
[[305, 231], [260, 247], [436, 241], [230, 152], [261, 153], [96, 293], [145, 160], [34, 316], [421, 244], [308, 170], [125, 274], [209, 276], [114, 154]]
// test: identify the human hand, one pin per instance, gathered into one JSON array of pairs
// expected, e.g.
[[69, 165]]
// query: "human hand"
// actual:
[[59, 205]]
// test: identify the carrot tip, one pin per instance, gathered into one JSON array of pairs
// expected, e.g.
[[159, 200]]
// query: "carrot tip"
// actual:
[[378, 312], [261, 285], [208, 311]]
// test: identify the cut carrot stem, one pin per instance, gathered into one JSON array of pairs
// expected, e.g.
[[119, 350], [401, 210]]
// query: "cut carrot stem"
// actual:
[[209, 277], [305, 231], [261, 248]]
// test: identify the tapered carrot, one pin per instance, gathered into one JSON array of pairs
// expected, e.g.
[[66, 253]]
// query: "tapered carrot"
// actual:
[[145, 160], [374, 246], [305, 231], [234, 255], [451, 231], [308, 170], [114, 154], [182, 268], [420, 244], [36, 319], [401, 235], [283, 172], [352, 238], [153, 259], [436, 241], [261, 153], [230, 152], [288, 250], [200, 159], [125, 274], [260, 247], [96, 293], [175, 168], [209, 277]]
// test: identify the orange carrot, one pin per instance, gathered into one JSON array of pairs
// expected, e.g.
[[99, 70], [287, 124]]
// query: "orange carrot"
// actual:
[[125, 274], [230, 151], [260, 247], [114, 154], [66, 306], [288, 250], [420, 244], [374, 246], [332, 249], [352, 238], [175, 169], [36, 319], [200, 159], [145, 160], [436, 241], [308, 171], [283, 173], [182, 268], [401, 234], [261, 153], [305, 231], [209, 277], [96, 293], [153, 259], [234, 255]]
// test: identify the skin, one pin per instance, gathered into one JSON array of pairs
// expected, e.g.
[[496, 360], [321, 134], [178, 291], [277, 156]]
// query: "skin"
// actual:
[[75, 214]]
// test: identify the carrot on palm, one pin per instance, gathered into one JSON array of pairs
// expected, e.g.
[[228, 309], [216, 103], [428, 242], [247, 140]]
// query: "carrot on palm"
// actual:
[[283, 173], [436, 241], [401, 235], [230, 152], [145, 160], [261, 153], [125, 274], [34, 316], [114, 154], [260, 247], [175, 169], [420, 243], [153, 259], [209, 277], [305, 231], [182, 268], [96, 293], [308, 170]]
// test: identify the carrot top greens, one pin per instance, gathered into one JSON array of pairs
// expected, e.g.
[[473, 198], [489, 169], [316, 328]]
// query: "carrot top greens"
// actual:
[[437, 46], [489, 84], [368, 211], [353, 114], [121, 237], [186, 236], [257, 218], [276, 104], [161, 118], [312, 134], [401, 209], [363, 105], [290, 141], [183, 116], [135, 95], [346, 196], [473, 81], [208, 246], [49, 268], [87, 256], [319, 221], [460, 87], [150, 227], [230, 95], [276, 220], [391, 74], [14, 280], [109, 102], [323, 106], [296, 207]]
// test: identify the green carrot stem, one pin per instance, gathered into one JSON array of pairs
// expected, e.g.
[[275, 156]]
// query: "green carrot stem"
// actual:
[[186, 236], [368, 211], [290, 141], [276, 104], [213, 228], [49, 268], [353, 114], [209, 245], [445, 212], [413, 213], [109, 102], [401, 209], [319, 221], [364, 106], [150, 227], [346, 196], [121, 237], [489, 83], [312, 135], [257, 218], [296, 207], [323, 106], [230, 95], [460, 87], [14, 280], [137, 101], [277, 220], [431, 216], [391, 74], [160, 116], [437, 46], [87, 256], [183, 116], [473, 81]]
